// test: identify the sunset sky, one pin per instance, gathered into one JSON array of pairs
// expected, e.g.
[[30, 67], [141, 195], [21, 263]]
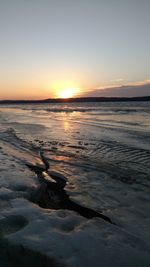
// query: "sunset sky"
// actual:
[[63, 48]]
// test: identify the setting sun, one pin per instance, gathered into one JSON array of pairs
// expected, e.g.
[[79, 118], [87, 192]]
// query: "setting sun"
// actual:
[[68, 92], [65, 89]]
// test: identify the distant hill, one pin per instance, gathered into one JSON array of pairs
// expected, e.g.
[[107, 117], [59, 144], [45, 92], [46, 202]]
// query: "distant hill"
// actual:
[[77, 100]]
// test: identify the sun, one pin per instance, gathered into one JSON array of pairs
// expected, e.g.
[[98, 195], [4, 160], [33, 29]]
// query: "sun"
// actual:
[[68, 92], [65, 89]]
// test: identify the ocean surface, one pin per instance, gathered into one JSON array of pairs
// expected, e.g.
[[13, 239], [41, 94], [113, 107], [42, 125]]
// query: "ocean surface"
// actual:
[[103, 150]]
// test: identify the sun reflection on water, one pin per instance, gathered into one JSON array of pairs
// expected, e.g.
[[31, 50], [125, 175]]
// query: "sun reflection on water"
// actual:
[[66, 125]]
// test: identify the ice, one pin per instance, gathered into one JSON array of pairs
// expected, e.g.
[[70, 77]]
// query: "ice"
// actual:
[[34, 236]]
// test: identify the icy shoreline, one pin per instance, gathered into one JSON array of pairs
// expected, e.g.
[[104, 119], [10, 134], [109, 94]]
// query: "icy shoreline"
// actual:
[[64, 236], [61, 237]]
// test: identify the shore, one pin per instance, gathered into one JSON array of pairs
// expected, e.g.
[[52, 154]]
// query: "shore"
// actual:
[[31, 233], [38, 228]]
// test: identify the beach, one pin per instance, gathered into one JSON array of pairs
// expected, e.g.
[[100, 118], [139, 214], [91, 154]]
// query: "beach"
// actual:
[[96, 212]]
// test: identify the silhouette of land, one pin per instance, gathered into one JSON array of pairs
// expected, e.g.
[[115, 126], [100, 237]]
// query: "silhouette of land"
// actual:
[[77, 100]]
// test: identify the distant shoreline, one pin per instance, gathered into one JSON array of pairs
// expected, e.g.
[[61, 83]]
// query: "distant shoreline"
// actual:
[[77, 100]]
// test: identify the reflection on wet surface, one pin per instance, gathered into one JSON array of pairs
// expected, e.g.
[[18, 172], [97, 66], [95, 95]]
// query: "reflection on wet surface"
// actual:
[[66, 125]]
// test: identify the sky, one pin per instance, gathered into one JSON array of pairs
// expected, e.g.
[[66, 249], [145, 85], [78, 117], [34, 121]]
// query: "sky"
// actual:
[[62, 48]]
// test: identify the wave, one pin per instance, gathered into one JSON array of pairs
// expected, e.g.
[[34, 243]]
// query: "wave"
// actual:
[[93, 110], [103, 109], [69, 110]]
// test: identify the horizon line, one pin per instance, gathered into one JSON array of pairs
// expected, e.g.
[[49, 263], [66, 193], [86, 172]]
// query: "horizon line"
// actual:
[[75, 99]]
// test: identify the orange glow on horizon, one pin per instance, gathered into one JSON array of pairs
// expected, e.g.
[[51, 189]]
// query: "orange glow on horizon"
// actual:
[[68, 92], [65, 89]]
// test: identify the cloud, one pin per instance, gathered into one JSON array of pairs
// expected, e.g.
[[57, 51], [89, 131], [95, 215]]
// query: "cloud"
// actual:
[[117, 80], [134, 89]]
